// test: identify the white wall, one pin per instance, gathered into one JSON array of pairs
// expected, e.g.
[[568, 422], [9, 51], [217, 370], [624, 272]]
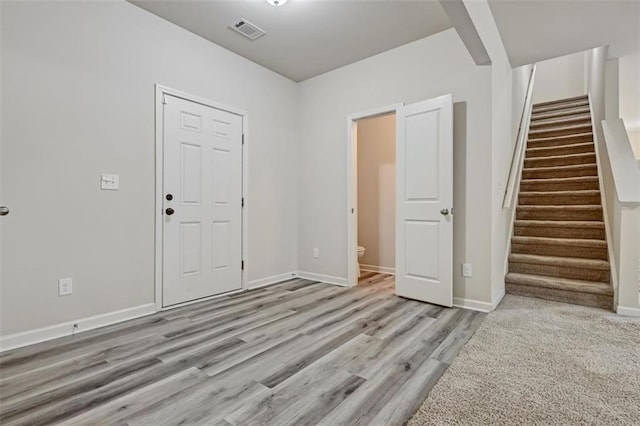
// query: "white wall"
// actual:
[[502, 139], [377, 190], [629, 80], [421, 70], [519, 86], [77, 100], [559, 78]]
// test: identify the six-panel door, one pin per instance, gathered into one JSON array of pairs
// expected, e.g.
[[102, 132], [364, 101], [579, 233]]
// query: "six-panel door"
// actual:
[[202, 237]]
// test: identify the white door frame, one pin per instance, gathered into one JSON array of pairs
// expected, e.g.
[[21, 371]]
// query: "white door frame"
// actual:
[[159, 201], [352, 186]]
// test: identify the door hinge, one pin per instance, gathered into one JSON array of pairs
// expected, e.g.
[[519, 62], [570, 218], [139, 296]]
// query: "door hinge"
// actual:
[[242, 265], [243, 202], [243, 139], [164, 100]]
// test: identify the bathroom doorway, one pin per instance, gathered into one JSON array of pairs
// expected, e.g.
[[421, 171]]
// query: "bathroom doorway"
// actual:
[[373, 199]]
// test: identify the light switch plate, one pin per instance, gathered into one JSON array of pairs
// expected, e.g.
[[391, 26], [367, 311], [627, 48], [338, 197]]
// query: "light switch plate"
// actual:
[[109, 182], [467, 270]]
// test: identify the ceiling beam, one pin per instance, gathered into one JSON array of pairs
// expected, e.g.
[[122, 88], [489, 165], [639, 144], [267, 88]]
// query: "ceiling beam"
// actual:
[[467, 32]]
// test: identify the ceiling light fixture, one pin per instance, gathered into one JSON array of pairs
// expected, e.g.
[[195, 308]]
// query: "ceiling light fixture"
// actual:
[[276, 3]]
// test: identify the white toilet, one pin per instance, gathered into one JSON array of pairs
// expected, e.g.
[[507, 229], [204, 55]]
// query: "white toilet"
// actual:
[[360, 251]]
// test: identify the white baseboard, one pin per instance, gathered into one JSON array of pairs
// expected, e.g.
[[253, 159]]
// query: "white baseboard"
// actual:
[[474, 305], [378, 269], [629, 312], [498, 299], [262, 282], [38, 335], [323, 278]]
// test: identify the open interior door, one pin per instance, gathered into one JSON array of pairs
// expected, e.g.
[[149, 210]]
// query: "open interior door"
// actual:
[[424, 200]]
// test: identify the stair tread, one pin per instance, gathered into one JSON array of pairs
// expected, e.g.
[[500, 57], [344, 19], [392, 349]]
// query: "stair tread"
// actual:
[[560, 223], [560, 107], [541, 122], [574, 242], [551, 148], [568, 167], [563, 137], [564, 156], [556, 128], [559, 283], [535, 116], [562, 180], [559, 193], [561, 101], [566, 206], [575, 262]]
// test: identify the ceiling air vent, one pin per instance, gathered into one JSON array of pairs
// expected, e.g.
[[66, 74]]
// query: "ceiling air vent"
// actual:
[[247, 29]]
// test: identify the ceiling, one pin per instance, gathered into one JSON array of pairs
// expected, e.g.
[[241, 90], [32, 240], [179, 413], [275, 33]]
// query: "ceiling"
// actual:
[[306, 38], [536, 30]]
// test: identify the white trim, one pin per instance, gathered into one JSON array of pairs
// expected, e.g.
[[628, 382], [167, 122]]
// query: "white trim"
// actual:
[[352, 188], [378, 269], [498, 299], [328, 279], [598, 146], [474, 305], [38, 335], [262, 282], [159, 175], [511, 199], [630, 312]]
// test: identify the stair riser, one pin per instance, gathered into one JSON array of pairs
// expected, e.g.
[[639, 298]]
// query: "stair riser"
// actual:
[[558, 200], [564, 232], [560, 250], [559, 106], [568, 120], [559, 131], [560, 161], [587, 137], [560, 150], [558, 186], [565, 214], [596, 275], [568, 113], [560, 173], [584, 299]]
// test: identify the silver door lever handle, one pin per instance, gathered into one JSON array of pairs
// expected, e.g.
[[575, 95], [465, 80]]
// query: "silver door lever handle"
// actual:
[[4, 211], [444, 212]]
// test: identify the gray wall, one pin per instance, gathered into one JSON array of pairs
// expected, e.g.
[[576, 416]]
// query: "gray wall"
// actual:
[[78, 100], [421, 70]]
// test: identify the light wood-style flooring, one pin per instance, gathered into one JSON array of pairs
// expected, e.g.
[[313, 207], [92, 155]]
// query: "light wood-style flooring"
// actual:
[[295, 353]]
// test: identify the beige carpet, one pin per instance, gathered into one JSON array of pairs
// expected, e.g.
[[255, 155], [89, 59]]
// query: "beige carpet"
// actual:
[[546, 363]]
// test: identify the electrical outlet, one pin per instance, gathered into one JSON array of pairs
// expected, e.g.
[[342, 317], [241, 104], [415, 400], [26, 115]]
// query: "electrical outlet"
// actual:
[[316, 253], [467, 270], [65, 286]]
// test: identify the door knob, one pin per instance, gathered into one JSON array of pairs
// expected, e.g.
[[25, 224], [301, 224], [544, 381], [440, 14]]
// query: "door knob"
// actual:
[[444, 212], [4, 211], [169, 197], [169, 211]]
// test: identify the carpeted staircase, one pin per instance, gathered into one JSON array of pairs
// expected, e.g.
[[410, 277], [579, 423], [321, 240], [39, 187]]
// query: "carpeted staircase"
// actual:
[[559, 249]]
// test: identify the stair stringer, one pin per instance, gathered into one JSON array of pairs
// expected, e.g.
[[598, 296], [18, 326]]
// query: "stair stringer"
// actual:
[[603, 200], [523, 137]]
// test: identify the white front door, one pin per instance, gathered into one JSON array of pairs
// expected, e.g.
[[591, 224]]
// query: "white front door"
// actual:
[[424, 198], [202, 190]]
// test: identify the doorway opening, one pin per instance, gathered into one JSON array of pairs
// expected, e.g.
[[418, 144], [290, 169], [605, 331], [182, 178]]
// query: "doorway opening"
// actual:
[[372, 188], [423, 199], [375, 161]]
